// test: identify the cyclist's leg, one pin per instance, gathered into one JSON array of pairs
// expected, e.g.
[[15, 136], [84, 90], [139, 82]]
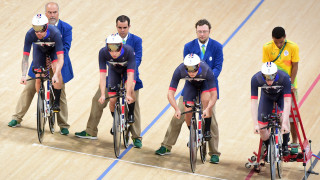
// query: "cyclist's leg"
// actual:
[[205, 97], [39, 60], [24, 101], [136, 126], [131, 105], [114, 80], [96, 113], [57, 86], [265, 108], [286, 136], [190, 93], [174, 128]]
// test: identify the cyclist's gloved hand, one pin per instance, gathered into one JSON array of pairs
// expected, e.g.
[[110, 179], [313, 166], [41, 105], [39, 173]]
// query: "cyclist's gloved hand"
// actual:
[[23, 80], [129, 99], [177, 114], [256, 129], [55, 79], [205, 113], [102, 99]]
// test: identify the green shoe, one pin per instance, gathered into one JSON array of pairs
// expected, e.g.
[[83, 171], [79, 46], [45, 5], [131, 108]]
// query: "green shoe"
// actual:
[[294, 151], [85, 135], [214, 159], [14, 123], [162, 151], [137, 143], [64, 131]]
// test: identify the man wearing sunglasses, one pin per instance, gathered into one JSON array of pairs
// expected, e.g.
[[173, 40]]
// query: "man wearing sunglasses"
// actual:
[[47, 41], [121, 62], [91, 132], [198, 75], [52, 13], [209, 51], [275, 87]]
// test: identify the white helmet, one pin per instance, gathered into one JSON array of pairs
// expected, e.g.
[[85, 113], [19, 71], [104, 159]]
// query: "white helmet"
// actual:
[[40, 22], [191, 62], [114, 42], [269, 71]]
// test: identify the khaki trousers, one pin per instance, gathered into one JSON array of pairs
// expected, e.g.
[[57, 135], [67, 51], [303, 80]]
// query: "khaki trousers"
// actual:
[[97, 110], [174, 129], [26, 98]]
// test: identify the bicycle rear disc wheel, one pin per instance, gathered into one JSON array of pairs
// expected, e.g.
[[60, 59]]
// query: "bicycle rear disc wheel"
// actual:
[[272, 157], [52, 117], [203, 147], [40, 115], [193, 146], [116, 131]]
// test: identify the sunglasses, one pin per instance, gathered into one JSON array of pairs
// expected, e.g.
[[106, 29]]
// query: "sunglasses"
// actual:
[[114, 47], [192, 68], [269, 77], [42, 28]]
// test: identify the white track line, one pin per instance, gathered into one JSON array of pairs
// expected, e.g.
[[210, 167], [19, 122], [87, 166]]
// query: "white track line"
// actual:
[[131, 162]]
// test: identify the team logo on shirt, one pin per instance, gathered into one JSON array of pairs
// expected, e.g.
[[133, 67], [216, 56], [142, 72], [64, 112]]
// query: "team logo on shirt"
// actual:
[[286, 53], [210, 58]]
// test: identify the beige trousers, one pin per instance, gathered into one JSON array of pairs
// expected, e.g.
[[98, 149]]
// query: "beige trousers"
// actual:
[[174, 129], [26, 98], [97, 110]]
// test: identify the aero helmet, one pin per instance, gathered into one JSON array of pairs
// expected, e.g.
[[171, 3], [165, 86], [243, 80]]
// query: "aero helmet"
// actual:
[[269, 71], [114, 43], [40, 22], [191, 62]]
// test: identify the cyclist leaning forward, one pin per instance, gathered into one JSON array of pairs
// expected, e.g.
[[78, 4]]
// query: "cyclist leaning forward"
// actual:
[[198, 75], [42, 32], [120, 60], [275, 87]]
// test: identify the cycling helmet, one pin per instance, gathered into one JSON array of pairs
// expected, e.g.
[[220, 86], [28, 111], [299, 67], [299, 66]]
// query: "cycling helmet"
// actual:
[[114, 43], [269, 71], [40, 23], [191, 62]]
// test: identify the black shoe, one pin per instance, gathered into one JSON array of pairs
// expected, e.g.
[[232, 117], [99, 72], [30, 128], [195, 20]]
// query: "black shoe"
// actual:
[[131, 119], [285, 151], [56, 108], [111, 132], [207, 136]]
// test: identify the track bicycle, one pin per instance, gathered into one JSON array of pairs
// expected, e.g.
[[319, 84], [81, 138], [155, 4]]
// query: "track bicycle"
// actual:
[[44, 103], [120, 119], [274, 153], [196, 138]]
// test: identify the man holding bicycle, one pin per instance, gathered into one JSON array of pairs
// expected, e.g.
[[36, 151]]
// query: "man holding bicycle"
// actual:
[[50, 43], [121, 62], [24, 102], [275, 87], [200, 77]]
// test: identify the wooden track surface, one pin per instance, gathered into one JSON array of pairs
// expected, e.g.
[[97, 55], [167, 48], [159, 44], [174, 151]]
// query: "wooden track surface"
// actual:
[[165, 26]]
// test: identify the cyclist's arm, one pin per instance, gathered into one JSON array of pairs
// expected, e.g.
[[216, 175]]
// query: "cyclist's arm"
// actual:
[[286, 109], [213, 98], [60, 62], [102, 83], [25, 64], [130, 82], [254, 111], [172, 100]]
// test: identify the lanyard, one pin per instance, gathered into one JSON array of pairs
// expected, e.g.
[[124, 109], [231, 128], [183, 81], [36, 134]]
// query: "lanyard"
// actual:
[[280, 51]]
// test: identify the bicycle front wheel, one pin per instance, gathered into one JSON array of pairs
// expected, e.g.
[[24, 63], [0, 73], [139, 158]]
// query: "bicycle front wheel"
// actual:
[[193, 145], [279, 162], [51, 118], [41, 120], [116, 130], [272, 157]]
